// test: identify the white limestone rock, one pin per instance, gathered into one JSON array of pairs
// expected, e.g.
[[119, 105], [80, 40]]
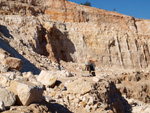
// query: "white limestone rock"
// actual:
[[96, 79], [47, 78], [3, 68], [26, 92], [28, 75], [79, 87], [4, 81], [64, 73]]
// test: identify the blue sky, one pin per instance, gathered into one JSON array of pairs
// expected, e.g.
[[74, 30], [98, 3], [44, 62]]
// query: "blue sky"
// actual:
[[135, 8]]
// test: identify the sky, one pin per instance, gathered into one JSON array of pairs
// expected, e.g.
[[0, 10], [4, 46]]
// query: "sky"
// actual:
[[135, 8]]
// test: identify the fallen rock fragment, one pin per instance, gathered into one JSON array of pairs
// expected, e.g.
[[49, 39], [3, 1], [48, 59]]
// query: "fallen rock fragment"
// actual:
[[13, 63], [4, 81], [26, 92], [7, 97], [13, 74], [79, 87], [3, 54], [47, 78], [64, 73], [83, 103], [28, 75], [3, 68], [96, 79]]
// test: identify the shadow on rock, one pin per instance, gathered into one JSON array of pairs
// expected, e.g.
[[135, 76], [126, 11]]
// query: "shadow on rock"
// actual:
[[26, 64], [107, 93], [57, 44], [56, 108], [117, 102], [5, 32]]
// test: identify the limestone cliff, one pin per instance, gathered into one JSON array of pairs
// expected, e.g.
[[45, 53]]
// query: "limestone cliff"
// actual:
[[63, 30]]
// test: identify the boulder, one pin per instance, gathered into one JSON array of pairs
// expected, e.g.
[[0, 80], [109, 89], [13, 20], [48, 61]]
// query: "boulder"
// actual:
[[12, 75], [7, 97], [3, 54], [28, 75], [96, 79], [47, 78], [4, 81], [3, 68], [13, 63], [64, 73], [79, 87], [5, 78], [26, 92]]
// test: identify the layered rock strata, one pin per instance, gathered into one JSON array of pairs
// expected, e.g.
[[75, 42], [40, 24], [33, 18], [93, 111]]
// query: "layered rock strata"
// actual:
[[64, 30]]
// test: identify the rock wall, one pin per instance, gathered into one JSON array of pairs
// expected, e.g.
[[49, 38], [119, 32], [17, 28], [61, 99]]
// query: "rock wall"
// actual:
[[63, 30]]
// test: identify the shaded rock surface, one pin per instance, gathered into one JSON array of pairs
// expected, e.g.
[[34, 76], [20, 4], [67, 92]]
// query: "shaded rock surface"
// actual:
[[13, 63], [34, 108], [135, 85]]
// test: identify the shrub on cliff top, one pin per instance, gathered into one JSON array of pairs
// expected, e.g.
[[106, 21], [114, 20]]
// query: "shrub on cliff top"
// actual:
[[87, 3]]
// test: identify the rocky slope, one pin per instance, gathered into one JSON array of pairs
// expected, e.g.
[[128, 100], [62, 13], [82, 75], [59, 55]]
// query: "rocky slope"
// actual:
[[36, 35]]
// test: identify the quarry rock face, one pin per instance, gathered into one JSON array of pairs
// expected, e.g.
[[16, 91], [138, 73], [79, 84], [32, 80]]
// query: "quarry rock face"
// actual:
[[67, 31]]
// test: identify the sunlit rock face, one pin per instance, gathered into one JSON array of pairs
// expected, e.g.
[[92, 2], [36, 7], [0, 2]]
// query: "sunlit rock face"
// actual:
[[62, 30]]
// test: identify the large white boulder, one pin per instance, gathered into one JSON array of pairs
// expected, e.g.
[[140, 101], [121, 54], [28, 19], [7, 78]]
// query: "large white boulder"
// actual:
[[47, 78], [26, 92]]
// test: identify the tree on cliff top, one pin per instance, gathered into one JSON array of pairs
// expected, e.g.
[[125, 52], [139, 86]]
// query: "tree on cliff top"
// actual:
[[87, 3]]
